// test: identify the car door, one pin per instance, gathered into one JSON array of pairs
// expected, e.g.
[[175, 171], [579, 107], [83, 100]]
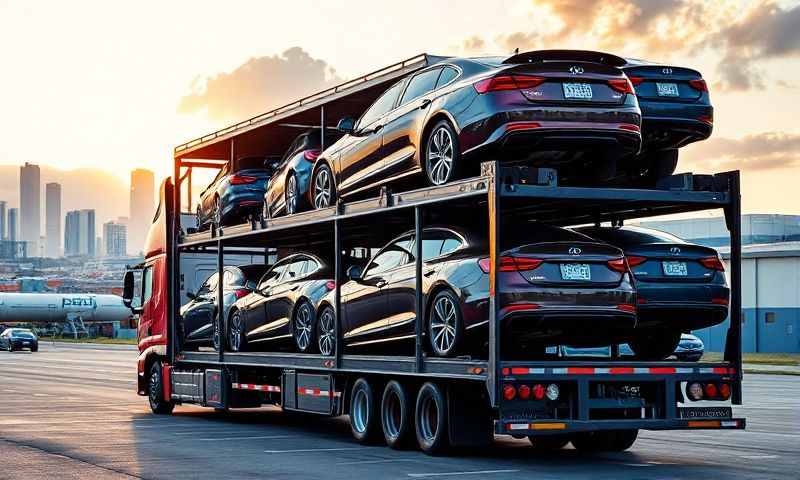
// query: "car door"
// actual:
[[403, 125], [360, 160], [197, 322], [254, 308], [363, 299], [282, 296]]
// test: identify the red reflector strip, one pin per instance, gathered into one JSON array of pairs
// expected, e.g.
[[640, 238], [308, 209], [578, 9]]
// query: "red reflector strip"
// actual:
[[251, 386], [620, 371], [316, 392], [580, 370], [662, 370], [718, 370], [523, 371]]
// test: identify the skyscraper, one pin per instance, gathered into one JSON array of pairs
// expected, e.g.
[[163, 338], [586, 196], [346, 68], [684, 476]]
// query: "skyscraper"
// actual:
[[52, 206], [79, 233], [114, 238], [3, 230], [142, 207], [29, 204], [13, 224]]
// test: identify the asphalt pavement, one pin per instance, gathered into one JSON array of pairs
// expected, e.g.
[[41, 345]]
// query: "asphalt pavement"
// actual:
[[72, 412]]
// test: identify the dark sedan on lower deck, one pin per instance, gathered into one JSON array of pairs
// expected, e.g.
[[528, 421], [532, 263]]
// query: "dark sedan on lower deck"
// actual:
[[555, 286]]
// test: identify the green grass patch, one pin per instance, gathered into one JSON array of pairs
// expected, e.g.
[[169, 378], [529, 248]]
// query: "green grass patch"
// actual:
[[758, 358]]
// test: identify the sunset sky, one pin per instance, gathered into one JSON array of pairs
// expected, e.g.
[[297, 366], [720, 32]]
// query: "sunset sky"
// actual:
[[114, 86]]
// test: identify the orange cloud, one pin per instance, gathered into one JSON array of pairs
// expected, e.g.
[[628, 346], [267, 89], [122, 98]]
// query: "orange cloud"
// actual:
[[764, 151]]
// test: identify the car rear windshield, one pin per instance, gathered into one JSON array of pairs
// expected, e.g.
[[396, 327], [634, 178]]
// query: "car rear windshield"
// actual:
[[633, 235], [538, 233]]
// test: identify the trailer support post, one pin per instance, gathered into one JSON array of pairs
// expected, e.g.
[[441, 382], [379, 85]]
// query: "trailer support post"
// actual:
[[337, 296], [322, 128], [220, 300], [733, 341], [173, 261], [419, 304], [492, 169]]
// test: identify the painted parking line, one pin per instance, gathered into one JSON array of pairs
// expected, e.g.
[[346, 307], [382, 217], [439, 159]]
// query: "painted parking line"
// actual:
[[306, 450], [454, 474]]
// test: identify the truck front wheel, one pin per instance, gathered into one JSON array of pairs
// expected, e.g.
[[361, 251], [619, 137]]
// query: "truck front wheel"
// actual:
[[155, 392]]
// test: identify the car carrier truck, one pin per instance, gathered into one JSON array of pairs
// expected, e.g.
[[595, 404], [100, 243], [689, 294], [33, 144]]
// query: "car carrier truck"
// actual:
[[596, 403]]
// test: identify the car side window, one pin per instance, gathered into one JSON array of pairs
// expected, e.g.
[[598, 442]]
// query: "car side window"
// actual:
[[451, 244], [295, 269], [271, 277], [311, 266], [436, 243], [394, 255], [383, 104], [448, 74], [420, 84]]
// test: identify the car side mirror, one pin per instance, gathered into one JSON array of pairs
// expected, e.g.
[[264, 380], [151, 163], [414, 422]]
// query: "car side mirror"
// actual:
[[354, 273], [127, 289], [346, 125], [191, 295]]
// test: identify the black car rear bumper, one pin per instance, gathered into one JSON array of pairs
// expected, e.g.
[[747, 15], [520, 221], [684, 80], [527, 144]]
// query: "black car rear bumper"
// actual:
[[685, 316], [581, 326], [659, 133]]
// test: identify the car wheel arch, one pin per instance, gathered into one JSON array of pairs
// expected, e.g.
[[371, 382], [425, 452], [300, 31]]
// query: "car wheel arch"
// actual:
[[434, 290], [429, 124], [317, 165]]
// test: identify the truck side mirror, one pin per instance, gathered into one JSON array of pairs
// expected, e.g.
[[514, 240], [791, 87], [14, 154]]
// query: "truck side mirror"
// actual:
[[346, 125], [127, 289]]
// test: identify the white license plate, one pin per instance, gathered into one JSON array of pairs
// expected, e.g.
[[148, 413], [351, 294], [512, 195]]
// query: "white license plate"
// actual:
[[581, 91], [675, 269], [26, 343], [667, 89], [575, 271]]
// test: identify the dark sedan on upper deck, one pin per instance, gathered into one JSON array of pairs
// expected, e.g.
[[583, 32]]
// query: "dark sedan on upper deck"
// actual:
[[572, 110], [236, 193]]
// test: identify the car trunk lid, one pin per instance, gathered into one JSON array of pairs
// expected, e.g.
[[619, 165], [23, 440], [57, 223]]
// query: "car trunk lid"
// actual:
[[577, 264], [657, 82], [669, 262]]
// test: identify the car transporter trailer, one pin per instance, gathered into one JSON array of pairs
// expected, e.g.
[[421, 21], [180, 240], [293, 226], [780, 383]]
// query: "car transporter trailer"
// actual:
[[461, 401]]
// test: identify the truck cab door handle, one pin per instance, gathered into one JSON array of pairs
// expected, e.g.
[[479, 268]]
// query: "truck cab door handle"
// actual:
[[425, 104]]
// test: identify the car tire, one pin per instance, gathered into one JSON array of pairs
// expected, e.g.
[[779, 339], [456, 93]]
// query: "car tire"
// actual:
[[430, 420], [655, 344], [549, 443], [291, 185], [304, 327], [396, 415], [35, 349], [441, 159], [445, 324], [215, 333], [237, 337], [265, 213], [364, 417], [661, 164], [217, 219], [199, 219], [326, 331], [323, 188], [155, 392]]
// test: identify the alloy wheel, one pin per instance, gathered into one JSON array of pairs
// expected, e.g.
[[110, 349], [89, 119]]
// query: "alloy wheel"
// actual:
[[302, 327], [155, 387], [291, 195], [236, 332], [217, 213], [439, 161], [327, 333], [443, 324], [323, 188]]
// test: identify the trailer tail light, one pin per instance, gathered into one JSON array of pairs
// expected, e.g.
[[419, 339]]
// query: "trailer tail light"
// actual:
[[694, 391], [507, 82], [699, 84], [509, 392], [552, 392], [635, 260], [538, 391], [311, 155], [621, 85], [330, 284], [724, 391], [524, 392], [636, 81], [511, 264], [710, 391], [714, 263], [241, 292], [242, 179]]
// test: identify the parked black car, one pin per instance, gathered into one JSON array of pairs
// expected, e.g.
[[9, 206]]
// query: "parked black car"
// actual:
[[681, 285], [572, 110], [200, 314], [18, 339], [235, 194], [676, 111], [284, 307], [556, 285], [689, 349], [288, 189]]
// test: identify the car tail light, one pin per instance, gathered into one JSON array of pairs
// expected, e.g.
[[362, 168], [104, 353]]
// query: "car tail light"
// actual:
[[538, 391], [524, 392], [634, 260], [618, 265], [330, 284], [507, 82], [724, 391], [311, 155], [694, 391], [710, 390], [509, 392], [241, 292], [630, 127], [636, 81], [707, 119], [621, 85], [641, 301], [242, 179], [511, 264], [720, 301], [714, 263], [699, 84], [626, 307]]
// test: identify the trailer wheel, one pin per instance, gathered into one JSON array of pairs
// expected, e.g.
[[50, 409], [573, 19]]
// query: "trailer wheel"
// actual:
[[364, 421], [445, 324], [605, 440], [155, 392], [548, 443], [396, 418], [304, 328], [430, 419]]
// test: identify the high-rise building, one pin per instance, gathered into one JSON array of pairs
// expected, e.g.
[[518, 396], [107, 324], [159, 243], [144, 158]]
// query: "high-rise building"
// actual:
[[79, 233], [29, 204], [52, 222], [115, 239], [142, 207], [13, 224], [3, 230]]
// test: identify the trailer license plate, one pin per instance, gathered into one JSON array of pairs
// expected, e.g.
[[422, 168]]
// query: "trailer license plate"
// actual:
[[575, 271], [675, 269], [667, 89], [705, 412], [581, 91]]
